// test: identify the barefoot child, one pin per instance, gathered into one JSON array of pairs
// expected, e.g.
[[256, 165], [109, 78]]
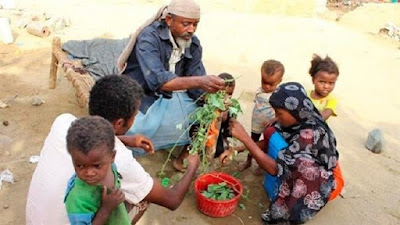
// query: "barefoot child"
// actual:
[[93, 194], [222, 142], [324, 73], [263, 114]]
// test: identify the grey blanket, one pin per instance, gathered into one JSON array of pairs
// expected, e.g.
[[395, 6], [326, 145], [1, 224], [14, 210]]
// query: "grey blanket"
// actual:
[[99, 56]]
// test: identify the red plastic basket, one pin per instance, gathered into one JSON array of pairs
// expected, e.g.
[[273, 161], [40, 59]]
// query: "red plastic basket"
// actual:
[[212, 207]]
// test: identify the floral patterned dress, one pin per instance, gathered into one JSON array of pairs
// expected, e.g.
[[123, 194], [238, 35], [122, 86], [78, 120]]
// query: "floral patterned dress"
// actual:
[[305, 167]]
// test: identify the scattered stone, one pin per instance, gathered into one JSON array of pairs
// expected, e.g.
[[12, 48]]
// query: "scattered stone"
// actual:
[[391, 30], [3, 105], [38, 29], [23, 21], [5, 123], [5, 206], [58, 23], [34, 159], [375, 141], [22, 156], [36, 101]]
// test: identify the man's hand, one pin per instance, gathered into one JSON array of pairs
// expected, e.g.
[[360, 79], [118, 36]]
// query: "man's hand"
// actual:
[[211, 83], [139, 141], [112, 200], [193, 161]]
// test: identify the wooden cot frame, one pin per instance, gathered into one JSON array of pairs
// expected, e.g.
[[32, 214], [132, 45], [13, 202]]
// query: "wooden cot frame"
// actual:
[[81, 81]]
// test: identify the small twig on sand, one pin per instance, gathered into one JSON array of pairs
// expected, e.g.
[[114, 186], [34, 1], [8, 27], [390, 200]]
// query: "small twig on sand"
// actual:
[[241, 221], [11, 99]]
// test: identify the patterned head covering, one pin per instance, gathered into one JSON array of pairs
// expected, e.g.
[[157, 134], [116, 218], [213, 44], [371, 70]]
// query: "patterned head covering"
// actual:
[[292, 97], [311, 137]]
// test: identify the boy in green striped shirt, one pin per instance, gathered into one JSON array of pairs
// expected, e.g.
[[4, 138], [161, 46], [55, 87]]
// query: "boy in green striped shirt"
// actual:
[[93, 195]]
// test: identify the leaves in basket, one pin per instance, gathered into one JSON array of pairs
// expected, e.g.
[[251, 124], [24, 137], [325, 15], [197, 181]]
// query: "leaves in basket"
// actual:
[[219, 191]]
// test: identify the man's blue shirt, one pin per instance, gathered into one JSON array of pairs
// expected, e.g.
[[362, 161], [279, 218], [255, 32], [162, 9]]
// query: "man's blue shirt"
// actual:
[[149, 63]]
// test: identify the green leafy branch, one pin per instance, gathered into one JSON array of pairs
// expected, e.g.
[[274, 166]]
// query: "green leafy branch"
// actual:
[[204, 116]]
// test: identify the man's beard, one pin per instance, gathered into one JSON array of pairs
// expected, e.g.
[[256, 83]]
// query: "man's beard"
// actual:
[[182, 43]]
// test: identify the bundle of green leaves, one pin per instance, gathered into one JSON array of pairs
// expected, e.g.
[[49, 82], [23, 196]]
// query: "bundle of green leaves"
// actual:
[[219, 192], [204, 116]]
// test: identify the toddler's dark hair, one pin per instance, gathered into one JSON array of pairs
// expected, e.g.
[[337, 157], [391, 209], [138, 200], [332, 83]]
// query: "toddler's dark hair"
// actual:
[[115, 96], [228, 78], [90, 132], [319, 64], [270, 67]]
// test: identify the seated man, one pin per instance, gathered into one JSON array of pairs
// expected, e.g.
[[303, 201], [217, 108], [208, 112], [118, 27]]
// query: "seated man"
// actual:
[[167, 62], [117, 99]]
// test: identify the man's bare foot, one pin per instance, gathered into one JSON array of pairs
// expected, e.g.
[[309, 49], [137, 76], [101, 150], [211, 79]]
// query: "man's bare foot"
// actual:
[[178, 162], [178, 166], [259, 171], [244, 165]]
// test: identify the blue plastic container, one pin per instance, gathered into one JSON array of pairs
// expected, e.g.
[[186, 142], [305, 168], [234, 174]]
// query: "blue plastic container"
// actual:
[[271, 183]]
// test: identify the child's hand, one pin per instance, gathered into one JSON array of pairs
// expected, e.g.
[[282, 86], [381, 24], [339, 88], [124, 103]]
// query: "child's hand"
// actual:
[[113, 199], [226, 156], [236, 129]]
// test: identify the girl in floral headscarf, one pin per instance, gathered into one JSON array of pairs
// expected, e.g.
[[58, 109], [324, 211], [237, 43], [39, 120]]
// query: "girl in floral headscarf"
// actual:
[[306, 168]]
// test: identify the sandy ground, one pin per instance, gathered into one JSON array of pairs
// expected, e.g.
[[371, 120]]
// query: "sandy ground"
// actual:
[[237, 37]]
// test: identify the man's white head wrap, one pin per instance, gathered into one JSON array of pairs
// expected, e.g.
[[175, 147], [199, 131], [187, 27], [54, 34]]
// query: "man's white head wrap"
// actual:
[[184, 8]]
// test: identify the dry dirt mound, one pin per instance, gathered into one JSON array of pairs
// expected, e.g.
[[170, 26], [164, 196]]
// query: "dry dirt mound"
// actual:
[[372, 17]]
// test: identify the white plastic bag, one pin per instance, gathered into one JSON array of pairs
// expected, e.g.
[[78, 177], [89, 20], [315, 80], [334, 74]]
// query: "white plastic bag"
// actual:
[[6, 176]]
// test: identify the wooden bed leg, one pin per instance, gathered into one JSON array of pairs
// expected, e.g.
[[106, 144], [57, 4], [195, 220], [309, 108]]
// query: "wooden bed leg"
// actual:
[[54, 63]]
